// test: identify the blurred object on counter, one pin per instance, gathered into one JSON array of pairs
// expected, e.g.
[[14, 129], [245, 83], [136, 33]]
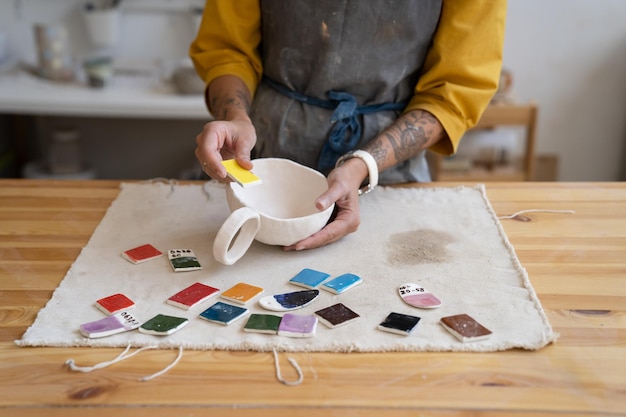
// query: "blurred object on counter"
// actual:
[[37, 170], [53, 53], [4, 47], [196, 16], [8, 148], [99, 71], [64, 158], [186, 79], [102, 22], [65, 153], [504, 93]]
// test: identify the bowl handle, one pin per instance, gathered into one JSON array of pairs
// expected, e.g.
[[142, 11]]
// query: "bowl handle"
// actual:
[[236, 235]]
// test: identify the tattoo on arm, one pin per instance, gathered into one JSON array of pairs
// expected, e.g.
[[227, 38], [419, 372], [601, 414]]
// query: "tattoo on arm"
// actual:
[[223, 105], [411, 133]]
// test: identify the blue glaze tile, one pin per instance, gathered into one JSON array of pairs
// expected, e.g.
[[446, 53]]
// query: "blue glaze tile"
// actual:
[[342, 283], [223, 313], [309, 278]]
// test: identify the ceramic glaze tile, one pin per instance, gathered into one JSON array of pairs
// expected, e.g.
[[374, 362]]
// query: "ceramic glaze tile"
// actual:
[[342, 283], [117, 323], [309, 278], [183, 260], [293, 325], [288, 301], [114, 304], [399, 323], [163, 325], [418, 296], [262, 323], [336, 315], [193, 295], [241, 293], [239, 174], [223, 313], [141, 254], [465, 328]]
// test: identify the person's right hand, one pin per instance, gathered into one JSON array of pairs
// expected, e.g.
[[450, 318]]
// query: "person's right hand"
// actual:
[[232, 135], [221, 140]]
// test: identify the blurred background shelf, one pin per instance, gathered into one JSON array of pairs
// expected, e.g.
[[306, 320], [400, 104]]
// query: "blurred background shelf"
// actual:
[[493, 163]]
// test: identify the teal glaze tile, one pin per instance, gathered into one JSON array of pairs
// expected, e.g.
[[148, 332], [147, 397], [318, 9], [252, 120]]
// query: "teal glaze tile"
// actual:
[[342, 283], [309, 278], [223, 313]]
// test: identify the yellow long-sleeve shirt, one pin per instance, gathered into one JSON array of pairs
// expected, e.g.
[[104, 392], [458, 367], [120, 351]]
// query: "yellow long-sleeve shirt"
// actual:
[[459, 76]]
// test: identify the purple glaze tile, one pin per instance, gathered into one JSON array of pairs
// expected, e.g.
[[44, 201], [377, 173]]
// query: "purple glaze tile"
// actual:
[[293, 325]]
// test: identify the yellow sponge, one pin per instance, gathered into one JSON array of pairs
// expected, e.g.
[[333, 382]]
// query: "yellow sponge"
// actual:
[[239, 174]]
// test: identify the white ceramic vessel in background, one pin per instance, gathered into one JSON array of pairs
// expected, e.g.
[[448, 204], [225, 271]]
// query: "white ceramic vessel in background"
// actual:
[[279, 211]]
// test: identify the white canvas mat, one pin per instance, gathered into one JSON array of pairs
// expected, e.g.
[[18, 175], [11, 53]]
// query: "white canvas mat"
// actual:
[[449, 240]]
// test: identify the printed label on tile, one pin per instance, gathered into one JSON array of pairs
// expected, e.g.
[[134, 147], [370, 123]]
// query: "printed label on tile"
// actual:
[[183, 260], [417, 296], [114, 324]]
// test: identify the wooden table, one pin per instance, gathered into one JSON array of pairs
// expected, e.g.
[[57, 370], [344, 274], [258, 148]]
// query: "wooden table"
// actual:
[[576, 262]]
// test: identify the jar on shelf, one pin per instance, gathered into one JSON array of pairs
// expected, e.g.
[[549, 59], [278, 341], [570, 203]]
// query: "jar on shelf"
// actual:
[[65, 153]]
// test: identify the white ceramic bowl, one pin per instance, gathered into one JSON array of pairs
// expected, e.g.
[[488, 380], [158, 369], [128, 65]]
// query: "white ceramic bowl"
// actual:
[[284, 203]]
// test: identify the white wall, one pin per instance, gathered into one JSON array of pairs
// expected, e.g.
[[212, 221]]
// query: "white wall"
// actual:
[[569, 56], [153, 34], [149, 30]]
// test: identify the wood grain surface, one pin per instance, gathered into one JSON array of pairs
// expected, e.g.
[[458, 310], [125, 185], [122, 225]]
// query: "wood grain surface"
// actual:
[[576, 262]]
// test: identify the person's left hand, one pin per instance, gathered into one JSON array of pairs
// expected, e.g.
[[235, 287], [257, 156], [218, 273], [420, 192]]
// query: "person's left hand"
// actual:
[[343, 185]]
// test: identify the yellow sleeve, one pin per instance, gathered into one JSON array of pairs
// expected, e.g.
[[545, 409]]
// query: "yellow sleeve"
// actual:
[[228, 41], [462, 69]]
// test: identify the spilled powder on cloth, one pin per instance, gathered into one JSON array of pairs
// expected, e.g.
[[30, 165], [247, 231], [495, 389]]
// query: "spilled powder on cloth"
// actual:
[[419, 246]]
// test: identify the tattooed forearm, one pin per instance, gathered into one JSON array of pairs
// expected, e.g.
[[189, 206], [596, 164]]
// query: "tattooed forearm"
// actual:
[[228, 98], [378, 151], [223, 106], [409, 135]]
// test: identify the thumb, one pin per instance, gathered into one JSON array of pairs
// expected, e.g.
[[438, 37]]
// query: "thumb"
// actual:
[[328, 198]]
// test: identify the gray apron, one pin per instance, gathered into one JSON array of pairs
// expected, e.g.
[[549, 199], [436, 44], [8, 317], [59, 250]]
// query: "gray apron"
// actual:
[[373, 50]]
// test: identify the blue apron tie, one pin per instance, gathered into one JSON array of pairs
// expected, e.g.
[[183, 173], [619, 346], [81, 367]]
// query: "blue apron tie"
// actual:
[[346, 131]]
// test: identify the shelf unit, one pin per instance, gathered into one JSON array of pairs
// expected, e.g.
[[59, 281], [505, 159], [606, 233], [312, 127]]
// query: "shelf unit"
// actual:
[[496, 115]]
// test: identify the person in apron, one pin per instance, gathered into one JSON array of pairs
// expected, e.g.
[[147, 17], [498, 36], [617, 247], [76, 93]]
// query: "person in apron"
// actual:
[[357, 90]]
